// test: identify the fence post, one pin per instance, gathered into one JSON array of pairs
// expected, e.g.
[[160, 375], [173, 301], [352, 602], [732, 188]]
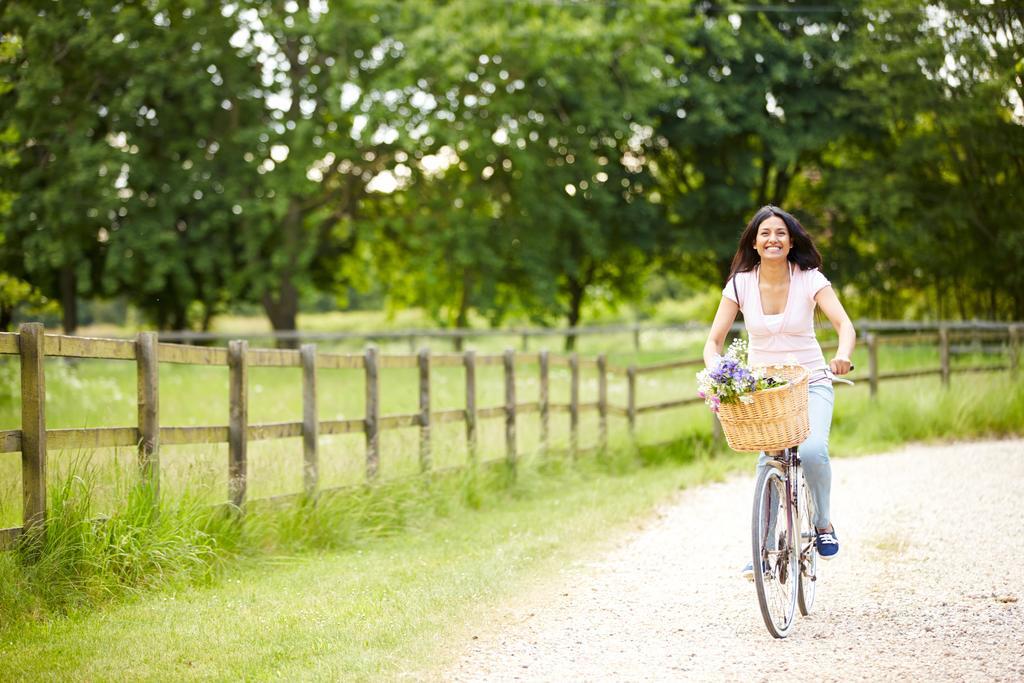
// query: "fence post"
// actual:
[[1014, 349], [944, 354], [872, 340], [631, 399], [148, 391], [636, 337], [526, 341], [469, 362], [33, 424], [574, 403], [372, 413], [310, 421], [412, 343], [602, 402], [238, 420], [510, 408], [423, 361], [544, 401]]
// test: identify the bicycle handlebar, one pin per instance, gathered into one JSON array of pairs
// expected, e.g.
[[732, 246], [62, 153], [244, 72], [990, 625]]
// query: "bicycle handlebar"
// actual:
[[828, 374]]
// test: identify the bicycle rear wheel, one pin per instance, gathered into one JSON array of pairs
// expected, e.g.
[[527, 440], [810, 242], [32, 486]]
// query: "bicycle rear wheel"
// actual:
[[808, 581], [776, 566]]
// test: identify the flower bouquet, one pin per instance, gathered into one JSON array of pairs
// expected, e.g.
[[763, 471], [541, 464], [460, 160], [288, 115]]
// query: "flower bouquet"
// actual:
[[733, 380]]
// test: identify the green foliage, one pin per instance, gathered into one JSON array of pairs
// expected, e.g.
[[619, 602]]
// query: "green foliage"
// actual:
[[974, 407], [131, 169], [917, 216], [18, 297], [519, 161], [525, 189], [756, 98]]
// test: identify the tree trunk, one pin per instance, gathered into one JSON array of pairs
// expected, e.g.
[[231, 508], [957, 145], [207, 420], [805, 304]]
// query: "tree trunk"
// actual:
[[207, 317], [282, 306], [69, 298], [576, 293], [462, 319], [179, 318], [283, 310]]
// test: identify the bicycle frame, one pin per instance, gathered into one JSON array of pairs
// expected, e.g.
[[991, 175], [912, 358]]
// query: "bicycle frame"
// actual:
[[788, 463]]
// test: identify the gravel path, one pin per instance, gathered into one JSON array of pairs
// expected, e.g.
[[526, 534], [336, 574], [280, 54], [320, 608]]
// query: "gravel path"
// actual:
[[929, 585]]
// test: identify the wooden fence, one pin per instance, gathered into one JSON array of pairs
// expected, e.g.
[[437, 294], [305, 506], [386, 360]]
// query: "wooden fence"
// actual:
[[33, 440], [458, 336]]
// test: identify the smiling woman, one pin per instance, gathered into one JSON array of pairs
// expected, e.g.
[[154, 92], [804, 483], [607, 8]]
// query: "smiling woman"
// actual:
[[775, 280]]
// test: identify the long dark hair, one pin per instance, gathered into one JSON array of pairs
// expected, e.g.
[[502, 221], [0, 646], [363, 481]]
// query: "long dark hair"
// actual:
[[802, 250]]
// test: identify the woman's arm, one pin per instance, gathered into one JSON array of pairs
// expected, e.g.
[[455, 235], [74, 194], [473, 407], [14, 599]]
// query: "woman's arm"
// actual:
[[829, 303], [724, 318]]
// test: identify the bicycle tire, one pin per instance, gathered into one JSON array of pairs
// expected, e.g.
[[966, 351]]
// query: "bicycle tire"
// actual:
[[808, 581], [775, 571]]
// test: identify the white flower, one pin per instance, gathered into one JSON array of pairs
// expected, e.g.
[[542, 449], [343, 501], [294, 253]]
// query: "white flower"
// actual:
[[747, 398]]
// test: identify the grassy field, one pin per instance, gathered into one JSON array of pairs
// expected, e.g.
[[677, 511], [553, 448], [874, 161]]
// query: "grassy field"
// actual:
[[397, 597], [96, 393], [385, 582], [377, 581]]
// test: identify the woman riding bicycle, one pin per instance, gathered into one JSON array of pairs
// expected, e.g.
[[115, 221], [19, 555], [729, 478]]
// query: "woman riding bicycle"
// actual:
[[775, 280]]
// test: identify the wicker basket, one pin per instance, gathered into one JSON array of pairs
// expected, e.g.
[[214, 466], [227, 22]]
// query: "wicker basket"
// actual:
[[777, 417]]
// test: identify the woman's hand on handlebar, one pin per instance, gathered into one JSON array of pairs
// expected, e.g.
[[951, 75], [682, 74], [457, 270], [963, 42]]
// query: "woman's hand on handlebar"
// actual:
[[840, 365]]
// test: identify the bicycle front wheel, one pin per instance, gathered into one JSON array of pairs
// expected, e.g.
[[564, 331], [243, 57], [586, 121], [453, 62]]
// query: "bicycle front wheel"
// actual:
[[775, 552], [808, 551]]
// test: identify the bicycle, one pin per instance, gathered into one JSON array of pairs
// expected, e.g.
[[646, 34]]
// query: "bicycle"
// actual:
[[785, 569]]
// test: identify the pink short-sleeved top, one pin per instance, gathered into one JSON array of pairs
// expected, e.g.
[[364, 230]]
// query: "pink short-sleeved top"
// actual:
[[789, 335]]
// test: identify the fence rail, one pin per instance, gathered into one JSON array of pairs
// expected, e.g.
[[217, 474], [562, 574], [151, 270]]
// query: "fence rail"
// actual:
[[458, 336], [33, 440]]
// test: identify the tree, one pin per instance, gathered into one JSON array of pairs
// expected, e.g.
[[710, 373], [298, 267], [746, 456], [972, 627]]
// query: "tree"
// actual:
[[323, 140], [755, 98], [537, 201], [14, 293], [131, 155], [926, 211], [62, 155]]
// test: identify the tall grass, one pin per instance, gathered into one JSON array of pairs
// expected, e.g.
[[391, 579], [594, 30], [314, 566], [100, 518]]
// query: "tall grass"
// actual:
[[81, 558], [974, 406], [93, 550]]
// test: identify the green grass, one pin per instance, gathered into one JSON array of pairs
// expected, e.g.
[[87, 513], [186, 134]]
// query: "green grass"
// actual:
[[97, 393], [373, 585], [375, 581], [381, 581], [974, 406]]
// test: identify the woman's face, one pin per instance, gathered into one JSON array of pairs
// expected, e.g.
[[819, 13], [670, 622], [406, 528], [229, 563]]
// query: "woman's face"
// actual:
[[772, 240]]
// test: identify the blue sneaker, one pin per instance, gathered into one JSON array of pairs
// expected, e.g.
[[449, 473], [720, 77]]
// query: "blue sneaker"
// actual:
[[827, 543]]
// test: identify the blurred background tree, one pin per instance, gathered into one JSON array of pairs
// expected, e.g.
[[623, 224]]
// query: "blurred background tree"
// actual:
[[518, 160]]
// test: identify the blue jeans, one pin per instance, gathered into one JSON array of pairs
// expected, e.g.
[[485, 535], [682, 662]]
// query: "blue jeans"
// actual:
[[814, 451]]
